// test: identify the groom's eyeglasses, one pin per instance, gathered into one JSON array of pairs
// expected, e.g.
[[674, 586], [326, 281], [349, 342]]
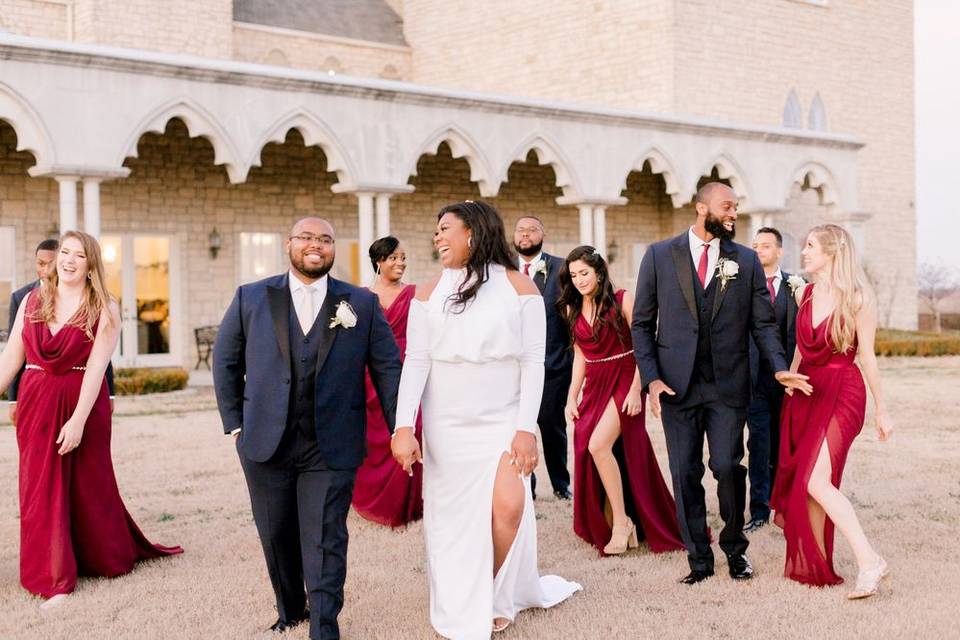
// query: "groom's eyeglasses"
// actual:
[[307, 238]]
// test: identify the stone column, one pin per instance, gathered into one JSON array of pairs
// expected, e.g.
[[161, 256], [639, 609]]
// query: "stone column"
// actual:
[[365, 237], [68, 203], [586, 223], [91, 206], [600, 229], [383, 214]]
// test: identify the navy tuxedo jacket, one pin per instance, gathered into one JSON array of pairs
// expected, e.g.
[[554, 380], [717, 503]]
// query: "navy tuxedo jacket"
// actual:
[[785, 311], [559, 355], [665, 322], [252, 370]]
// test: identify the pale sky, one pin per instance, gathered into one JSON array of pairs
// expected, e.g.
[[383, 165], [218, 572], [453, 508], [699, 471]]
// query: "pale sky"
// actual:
[[937, 31]]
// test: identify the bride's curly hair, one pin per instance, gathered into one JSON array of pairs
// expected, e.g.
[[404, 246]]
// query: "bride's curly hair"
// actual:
[[488, 245], [570, 302]]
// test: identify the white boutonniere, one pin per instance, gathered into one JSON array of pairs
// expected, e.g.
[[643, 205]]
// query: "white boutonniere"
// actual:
[[344, 317], [727, 270], [797, 285], [541, 268]]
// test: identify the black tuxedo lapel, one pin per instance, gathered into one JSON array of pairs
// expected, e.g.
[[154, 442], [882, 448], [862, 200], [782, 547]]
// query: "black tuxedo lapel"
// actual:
[[728, 252], [791, 299], [327, 311], [540, 279], [279, 300], [680, 249]]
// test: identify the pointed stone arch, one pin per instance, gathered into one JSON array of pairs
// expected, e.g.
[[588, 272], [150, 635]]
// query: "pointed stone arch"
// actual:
[[462, 145], [547, 153], [200, 123], [728, 169], [815, 176], [661, 164], [32, 133], [315, 133]]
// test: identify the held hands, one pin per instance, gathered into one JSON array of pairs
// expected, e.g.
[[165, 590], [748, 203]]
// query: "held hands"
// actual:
[[405, 448], [793, 381], [884, 426], [70, 435], [653, 392], [523, 452], [633, 403]]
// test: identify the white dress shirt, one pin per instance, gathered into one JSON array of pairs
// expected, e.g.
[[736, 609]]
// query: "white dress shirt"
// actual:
[[307, 300], [777, 280], [713, 255], [533, 264]]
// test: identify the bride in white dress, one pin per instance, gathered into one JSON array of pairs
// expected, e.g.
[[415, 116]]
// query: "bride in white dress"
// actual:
[[475, 349]]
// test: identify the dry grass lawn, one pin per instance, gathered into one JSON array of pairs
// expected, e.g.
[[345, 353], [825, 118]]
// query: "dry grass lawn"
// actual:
[[181, 480]]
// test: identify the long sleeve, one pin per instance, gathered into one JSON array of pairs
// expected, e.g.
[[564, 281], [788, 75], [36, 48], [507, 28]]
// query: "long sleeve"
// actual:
[[416, 366], [764, 322], [383, 363], [229, 366], [644, 323], [14, 307], [533, 327]]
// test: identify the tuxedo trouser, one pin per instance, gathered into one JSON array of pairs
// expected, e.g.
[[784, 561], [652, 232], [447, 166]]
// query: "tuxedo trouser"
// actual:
[[553, 428], [300, 508], [763, 442], [702, 412]]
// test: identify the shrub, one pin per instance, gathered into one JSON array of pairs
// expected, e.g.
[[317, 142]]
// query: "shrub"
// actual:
[[916, 343], [134, 382]]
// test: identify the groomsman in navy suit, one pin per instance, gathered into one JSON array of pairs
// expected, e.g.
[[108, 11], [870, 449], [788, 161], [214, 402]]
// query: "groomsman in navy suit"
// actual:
[[528, 235], [763, 414]]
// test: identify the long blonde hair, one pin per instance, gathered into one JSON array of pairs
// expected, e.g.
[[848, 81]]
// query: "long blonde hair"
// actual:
[[848, 282], [95, 299]]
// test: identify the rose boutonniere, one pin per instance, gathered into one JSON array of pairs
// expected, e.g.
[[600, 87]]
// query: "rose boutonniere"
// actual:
[[727, 270], [797, 285], [541, 268], [344, 317]]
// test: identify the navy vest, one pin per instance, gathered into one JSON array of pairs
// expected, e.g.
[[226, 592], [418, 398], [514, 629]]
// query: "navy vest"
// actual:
[[304, 350], [703, 365]]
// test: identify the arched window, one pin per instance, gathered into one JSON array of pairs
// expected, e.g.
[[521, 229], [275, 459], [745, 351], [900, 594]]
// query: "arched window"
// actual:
[[332, 65], [390, 72], [792, 113], [278, 58], [818, 115]]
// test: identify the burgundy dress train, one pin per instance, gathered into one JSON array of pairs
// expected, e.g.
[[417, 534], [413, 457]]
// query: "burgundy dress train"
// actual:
[[609, 374], [72, 519], [833, 413], [383, 492]]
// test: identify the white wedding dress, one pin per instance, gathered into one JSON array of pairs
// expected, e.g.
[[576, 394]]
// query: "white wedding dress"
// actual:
[[478, 377]]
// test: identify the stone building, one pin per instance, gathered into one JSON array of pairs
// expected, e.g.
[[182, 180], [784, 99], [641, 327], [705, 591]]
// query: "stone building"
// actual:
[[189, 134]]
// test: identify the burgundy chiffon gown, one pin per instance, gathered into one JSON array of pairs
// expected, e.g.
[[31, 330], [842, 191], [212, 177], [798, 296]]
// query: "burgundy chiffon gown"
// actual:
[[833, 413], [383, 492], [646, 497], [72, 519]]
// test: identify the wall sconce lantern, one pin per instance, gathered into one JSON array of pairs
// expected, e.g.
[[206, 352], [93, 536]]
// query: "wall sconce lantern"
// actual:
[[612, 250], [215, 243]]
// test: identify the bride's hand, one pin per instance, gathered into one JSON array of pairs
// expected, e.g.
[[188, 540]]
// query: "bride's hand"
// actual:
[[884, 426], [405, 448], [70, 435], [570, 412], [523, 451], [633, 403]]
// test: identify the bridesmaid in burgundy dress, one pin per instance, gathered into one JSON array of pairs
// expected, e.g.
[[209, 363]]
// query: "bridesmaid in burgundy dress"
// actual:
[[836, 321], [383, 492], [72, 520], [613, 457]]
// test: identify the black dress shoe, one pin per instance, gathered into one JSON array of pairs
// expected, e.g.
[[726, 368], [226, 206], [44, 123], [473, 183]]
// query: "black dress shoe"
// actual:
[[740, 567], [755, 523], [283, 625], [563, 494], [696, 576]]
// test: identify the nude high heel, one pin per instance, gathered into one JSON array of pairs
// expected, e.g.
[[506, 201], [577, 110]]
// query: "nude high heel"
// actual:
[[868, 581], [621, 539]]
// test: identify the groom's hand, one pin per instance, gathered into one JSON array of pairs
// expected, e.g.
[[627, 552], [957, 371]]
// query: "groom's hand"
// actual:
[[793, 381], [653, 393], [405, 448]]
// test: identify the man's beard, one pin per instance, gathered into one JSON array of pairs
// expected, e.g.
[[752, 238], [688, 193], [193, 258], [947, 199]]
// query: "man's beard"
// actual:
[[530, 251], [715, 227], [318, 272]]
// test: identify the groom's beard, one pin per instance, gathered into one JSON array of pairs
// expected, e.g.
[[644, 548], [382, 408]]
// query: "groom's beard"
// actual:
[[714, 227], [530, 251], [313, 273]]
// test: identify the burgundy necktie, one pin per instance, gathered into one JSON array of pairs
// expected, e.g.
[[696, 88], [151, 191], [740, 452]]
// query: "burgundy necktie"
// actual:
[[773, 292], [526, 268], [702, 267]]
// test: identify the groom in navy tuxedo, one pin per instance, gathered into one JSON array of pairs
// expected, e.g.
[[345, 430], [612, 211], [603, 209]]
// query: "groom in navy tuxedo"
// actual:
[[288, 369], [699, 298]]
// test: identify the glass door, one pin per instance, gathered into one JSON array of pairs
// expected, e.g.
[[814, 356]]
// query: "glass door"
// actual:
[[141, 275]]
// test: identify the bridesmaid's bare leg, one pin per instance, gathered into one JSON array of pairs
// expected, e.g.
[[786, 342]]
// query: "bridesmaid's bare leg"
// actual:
[[818, 521], [601, 450], [508, 501], [838, 507]]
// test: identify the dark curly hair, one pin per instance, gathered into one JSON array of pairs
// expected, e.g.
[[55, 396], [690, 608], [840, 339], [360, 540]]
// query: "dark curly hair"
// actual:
[[488, 245], [381, 249], [570, 302]]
